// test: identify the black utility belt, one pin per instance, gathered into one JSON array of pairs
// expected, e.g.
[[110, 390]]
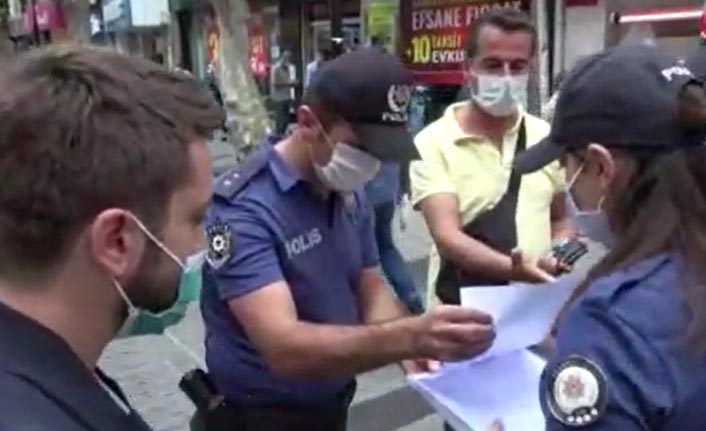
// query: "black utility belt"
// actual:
[[235, 416], [218, 413]]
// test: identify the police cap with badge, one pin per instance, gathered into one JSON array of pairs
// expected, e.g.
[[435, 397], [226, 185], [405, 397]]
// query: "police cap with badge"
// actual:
[[372, 91], [605, 94]]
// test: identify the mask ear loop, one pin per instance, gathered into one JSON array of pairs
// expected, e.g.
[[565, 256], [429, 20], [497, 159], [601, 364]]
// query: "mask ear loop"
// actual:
[[323, 131], [156, 241], [159, 244], [122, 293], [572, 182], [600, 203], [327, 138]]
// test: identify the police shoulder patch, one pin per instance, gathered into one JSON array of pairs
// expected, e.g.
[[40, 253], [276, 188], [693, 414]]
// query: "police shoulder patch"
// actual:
[[220, 241], [577, 392]]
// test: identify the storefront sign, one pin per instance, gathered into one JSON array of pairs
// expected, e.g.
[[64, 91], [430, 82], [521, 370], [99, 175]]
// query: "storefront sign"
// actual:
[[116, 15], [258, 56], [320, 9], [572, 3], [258, 45], [48, 14], [433, 35], [152, 13]]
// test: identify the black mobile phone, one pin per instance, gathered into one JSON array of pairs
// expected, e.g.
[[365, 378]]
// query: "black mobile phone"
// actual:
[[569, 252]]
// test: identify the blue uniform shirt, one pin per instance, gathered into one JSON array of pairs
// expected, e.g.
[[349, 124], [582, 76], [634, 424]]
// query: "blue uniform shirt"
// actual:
[[623, 361], [266, 225]]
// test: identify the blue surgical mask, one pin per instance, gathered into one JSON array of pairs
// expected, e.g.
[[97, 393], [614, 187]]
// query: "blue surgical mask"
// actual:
[[145, 322], [594, 224]]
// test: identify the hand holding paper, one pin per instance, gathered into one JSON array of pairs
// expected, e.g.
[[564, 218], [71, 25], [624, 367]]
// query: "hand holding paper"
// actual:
[[523, 313], [452, 333], [502, 383]]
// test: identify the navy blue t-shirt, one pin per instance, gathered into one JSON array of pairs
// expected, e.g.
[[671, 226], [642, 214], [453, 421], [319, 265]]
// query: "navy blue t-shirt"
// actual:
[[623, 359], [267, 224]]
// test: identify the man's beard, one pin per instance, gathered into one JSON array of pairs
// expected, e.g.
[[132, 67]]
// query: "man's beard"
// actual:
[[155, 286]]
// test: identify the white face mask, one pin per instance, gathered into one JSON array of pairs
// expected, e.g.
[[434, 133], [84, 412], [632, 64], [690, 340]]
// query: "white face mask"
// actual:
[[348, 169], [594, 224], [500, 96]]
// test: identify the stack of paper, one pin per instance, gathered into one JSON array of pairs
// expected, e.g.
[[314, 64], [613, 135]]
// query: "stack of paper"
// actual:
[[473, 395], [503, 383], [523, 313]]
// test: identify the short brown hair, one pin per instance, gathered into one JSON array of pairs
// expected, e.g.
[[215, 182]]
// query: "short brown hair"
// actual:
[[506, 19], [84, 129], [325, 112]]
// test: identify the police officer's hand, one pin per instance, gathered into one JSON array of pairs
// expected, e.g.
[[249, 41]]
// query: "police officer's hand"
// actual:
[[453, 333], [528, 272]]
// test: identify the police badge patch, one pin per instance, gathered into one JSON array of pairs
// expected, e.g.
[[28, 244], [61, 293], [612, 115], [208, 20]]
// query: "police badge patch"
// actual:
[[399, 98], [577, 392], [220, 238]]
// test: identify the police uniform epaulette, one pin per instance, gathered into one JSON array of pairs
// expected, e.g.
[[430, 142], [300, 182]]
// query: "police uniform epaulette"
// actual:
[[235, 179]]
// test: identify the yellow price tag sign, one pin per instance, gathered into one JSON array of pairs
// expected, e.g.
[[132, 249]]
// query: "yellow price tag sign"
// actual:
[[420, 50]]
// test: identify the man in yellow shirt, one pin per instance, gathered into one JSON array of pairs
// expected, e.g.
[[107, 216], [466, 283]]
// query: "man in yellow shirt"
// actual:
[[478, 211]]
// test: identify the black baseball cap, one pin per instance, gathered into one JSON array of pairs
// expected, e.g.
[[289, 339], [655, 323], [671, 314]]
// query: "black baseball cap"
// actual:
[[372, 91], [623, 97]]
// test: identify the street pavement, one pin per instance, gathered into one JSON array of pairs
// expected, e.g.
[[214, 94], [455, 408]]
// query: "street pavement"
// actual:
[[149, 368]]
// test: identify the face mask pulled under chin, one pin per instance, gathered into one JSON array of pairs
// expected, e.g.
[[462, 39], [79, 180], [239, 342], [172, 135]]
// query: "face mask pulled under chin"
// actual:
[[593, 224], [500, 96], [144, 322], [348, 169]]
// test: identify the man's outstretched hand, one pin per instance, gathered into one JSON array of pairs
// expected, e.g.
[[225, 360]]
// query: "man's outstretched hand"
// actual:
[[528, 272]]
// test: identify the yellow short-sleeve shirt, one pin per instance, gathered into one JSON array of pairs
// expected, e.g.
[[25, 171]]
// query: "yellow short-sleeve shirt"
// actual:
[[472, 168]]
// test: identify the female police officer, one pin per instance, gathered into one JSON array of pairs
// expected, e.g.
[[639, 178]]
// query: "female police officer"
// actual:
[[629, 355]]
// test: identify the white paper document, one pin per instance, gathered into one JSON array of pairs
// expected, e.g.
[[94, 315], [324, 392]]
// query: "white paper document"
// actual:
[[523, 313], [503, 383], [473, 395]]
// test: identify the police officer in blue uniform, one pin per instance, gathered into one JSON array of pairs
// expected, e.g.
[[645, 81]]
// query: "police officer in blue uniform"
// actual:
[[629, 127], [292, 299], [106, 179]]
